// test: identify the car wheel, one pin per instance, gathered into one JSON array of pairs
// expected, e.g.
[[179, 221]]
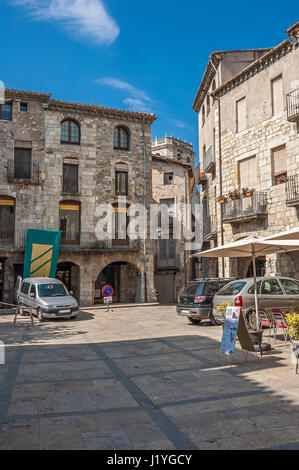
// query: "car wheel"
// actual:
[[213, 320], [194, 320], [40, 315], [73, 317], [251, 319]]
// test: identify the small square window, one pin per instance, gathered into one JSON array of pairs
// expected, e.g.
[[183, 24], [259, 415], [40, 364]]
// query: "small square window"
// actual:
[[168, 178], [23, 107]]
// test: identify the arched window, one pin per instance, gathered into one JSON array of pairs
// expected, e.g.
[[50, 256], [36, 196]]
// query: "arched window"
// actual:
[[70, 132], [121, 138]]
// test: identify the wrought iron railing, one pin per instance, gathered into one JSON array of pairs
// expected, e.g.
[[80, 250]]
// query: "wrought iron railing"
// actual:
[[209, 160], [292, 190], [210, 226], [245, 207], [293, 105], [22, 171], [12, 238], [88, 241]]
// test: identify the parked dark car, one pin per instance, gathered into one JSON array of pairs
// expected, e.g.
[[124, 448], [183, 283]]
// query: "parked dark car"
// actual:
[[195, 302]]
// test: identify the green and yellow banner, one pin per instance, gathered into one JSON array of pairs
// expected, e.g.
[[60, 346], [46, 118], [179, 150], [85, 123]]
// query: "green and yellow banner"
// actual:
[[41, 253]]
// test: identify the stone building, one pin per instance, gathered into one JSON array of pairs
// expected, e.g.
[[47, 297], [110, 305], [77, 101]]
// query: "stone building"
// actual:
[[248, 121], [173, 181], [60, 161]]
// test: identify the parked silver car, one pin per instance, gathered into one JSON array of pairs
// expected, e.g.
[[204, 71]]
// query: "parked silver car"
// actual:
[[48, 297], [273, 292]]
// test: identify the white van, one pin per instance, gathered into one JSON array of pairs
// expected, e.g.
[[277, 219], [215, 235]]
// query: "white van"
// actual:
[[48, 297]]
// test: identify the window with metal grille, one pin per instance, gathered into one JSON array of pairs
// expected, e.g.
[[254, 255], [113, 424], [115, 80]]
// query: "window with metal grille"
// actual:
[[70, 179], [5, 112], [23, 107], [70, 132], [121, 182], [121, 138], [22, 163]]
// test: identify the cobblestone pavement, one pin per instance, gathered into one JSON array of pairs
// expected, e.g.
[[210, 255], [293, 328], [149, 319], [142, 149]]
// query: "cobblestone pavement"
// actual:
[[141, 378]]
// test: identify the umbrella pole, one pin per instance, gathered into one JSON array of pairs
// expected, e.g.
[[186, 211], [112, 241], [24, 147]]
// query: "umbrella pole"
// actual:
[[255, 288]]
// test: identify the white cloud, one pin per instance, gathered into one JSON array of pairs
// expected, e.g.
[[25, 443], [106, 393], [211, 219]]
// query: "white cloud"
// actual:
[[84, 18], [180, 124], [138, 100]]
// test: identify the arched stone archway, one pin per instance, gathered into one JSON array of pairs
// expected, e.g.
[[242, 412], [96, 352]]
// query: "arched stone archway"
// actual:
[[69, 274], [124, 277]]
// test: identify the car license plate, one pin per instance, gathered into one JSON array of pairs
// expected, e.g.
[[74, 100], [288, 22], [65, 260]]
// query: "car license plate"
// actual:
[[64, 311], [185, 311]]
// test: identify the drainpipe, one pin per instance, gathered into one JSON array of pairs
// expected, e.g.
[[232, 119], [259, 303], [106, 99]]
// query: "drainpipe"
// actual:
[[220, 168], [144, 289]]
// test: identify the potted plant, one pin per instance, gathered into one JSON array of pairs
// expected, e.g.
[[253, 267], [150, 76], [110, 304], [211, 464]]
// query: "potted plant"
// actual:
[[281, 179], [247, 192], [222, 198], [292, 320], [235, 194]]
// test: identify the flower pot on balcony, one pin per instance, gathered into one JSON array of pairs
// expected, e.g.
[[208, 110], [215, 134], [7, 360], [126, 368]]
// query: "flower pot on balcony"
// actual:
[[235, 197], [249, 193], [222, 201]]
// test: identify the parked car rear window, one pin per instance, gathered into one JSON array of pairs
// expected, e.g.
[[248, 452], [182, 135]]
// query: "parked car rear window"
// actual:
[[211, 288], [52, 290], [194, 289], [232, 289], [290, 287], [252, 288]]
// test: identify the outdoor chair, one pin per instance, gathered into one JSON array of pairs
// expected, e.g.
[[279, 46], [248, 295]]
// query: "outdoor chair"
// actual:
[[264, 320], [279, 321]]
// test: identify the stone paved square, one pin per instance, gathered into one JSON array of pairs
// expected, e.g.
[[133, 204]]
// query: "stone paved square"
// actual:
[[141, 378]]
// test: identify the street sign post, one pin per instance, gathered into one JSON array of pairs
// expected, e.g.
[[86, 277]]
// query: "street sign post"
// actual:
[[107, 293]]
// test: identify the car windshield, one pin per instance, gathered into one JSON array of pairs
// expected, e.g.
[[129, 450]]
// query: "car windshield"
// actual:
[[232, 289], [194, 289], [52, 290]]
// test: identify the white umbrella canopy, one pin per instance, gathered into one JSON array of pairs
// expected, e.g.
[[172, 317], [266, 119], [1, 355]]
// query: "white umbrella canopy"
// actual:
[[292, 234], [251, 246]]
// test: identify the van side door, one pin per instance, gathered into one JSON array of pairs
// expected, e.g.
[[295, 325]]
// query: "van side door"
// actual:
[[23, 295]]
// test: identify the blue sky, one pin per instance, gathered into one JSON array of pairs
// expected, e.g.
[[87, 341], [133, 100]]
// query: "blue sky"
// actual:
[[131, 54]]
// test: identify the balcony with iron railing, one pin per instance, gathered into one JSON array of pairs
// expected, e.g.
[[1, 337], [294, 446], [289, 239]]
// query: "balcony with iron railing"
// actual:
[[293, 105], [245, 208], [15, 239], [88, 241], [292, 190], [209, 227], [12, 239], [23, 172], [209, 160]]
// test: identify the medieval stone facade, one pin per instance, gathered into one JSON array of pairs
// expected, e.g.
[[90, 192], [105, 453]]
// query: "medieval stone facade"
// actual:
[[248, 114], [60, 161], [173, 181]]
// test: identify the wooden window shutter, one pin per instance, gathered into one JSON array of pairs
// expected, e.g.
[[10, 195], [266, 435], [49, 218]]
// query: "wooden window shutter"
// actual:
[[279, 160], [248, 169]]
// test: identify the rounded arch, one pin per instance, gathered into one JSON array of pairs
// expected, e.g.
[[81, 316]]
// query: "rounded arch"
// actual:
[[124, 277], [70, 131], [122, 137]]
